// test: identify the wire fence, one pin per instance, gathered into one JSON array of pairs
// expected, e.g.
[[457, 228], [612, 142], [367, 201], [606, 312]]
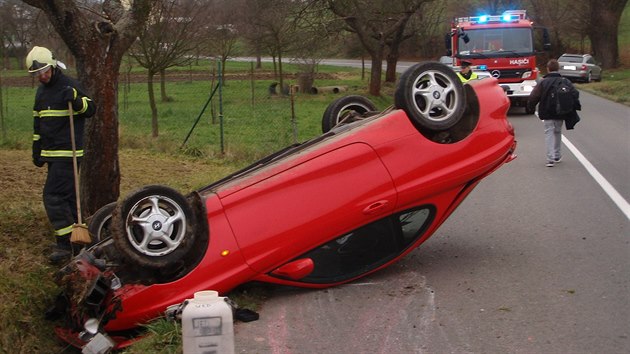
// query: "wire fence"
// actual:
[[255, 116], [243, 115]]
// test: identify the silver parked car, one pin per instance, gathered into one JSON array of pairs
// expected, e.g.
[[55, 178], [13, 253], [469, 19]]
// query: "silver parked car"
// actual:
[[579, 67]]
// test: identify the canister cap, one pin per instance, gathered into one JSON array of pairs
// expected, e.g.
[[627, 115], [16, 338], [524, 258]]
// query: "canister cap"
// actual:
[[206, 295]]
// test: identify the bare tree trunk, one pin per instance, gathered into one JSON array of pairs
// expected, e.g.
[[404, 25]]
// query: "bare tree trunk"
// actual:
[[605, 17], [154, 111], [375, 76], [163, 94], [390, 72], [100, 169], [280, 74], [394, 52], [275, 67]]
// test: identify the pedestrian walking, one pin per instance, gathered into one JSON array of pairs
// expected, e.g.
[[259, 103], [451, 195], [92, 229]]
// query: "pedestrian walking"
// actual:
[[52, 144], [557, 100]]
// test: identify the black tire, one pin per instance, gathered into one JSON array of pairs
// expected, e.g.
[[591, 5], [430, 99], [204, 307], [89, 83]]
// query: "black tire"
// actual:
[[99, 225], [154, 227], [344, 109], [432, 96]]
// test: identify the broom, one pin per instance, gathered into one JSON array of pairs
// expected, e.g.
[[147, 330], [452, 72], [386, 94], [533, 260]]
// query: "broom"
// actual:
[[80, 232]]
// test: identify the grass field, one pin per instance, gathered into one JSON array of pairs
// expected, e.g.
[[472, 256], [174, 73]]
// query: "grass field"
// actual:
[[253, 127]]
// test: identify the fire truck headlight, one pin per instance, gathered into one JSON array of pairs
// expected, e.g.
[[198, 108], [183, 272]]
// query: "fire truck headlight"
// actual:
[[528, 88], [526, 74]]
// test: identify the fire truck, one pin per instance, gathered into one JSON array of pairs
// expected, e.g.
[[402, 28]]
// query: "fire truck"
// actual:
[[502, 45]]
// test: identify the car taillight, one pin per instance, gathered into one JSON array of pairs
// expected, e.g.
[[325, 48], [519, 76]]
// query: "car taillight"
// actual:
[[584, 67]]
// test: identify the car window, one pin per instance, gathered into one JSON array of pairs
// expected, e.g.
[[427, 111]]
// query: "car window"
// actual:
[[367, 247], [590, 61], [568, 59]]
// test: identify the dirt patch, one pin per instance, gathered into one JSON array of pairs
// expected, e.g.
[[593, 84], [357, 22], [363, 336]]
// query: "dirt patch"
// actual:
[[20, 180]]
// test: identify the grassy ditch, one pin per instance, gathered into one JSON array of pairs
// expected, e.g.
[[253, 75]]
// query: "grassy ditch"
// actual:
[[615, 86]]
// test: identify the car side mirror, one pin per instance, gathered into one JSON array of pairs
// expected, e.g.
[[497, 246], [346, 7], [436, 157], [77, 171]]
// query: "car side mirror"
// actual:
[[463, 35], [295, 270]]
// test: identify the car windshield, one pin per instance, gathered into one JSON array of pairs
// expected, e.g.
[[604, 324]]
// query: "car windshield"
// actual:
[[567, 59], [497, 42]]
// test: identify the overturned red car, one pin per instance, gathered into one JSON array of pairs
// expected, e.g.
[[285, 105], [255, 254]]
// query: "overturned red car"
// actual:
[[370, 189]]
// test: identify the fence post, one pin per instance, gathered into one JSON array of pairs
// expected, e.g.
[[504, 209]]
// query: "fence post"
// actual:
[[293, 120], [4, 129], [251, 70], [221, 105]]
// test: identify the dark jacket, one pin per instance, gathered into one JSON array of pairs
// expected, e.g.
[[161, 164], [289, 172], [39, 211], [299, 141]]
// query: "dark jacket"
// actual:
[[51, 125], [540, 95]]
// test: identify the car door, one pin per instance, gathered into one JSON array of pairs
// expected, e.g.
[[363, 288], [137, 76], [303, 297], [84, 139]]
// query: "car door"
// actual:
[[359, 251], [308, 204], [595, 69]]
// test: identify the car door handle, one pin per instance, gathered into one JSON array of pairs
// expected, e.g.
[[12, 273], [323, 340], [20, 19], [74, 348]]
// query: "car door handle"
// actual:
[[376, 207]]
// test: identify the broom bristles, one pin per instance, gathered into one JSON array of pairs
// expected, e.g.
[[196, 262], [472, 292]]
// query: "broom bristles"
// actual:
[[80, 234]]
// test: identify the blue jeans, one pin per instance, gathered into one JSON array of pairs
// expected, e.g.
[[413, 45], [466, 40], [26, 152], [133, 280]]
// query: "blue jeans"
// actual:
[[553, 138]]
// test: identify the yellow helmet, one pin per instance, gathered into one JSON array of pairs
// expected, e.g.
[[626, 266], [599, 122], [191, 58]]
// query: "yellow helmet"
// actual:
[[39, 58]]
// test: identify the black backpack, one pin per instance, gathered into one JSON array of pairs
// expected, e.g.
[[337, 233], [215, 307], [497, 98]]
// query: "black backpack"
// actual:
[[560, 99]]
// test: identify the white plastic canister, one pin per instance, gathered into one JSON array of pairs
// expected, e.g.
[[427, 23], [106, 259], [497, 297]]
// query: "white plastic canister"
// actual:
[[207, 325]]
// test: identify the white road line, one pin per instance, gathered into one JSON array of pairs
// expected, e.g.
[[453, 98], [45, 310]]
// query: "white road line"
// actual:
[[622, 204]]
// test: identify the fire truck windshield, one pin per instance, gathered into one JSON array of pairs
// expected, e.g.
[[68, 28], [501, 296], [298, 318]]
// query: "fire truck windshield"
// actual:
[[496, 42]]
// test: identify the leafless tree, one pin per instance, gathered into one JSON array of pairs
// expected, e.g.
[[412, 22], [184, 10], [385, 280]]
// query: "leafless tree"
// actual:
[[378, 24], [168, 39], [569, 21], [222, 29], [98, 33], [273, 25], [16, 30], [604, 30], [428, 29]]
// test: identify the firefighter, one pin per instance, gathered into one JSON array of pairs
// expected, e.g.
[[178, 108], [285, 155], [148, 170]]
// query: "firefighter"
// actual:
[[466, 74], [52, 142]]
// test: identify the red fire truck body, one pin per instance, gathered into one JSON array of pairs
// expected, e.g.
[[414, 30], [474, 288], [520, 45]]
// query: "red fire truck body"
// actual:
[[503, 45]]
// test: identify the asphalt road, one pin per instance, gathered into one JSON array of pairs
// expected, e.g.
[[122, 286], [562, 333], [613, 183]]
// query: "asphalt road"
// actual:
[[535, 260]]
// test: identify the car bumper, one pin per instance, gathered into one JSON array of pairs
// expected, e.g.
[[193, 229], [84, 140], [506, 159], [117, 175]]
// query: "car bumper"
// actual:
[[519, 90], [574, 74]]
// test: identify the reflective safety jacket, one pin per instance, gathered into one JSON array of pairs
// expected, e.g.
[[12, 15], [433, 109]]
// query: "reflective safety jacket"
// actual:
[[51, 126], [464, 79]]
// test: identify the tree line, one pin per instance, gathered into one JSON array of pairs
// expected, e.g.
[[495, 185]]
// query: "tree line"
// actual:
[[159, 34]]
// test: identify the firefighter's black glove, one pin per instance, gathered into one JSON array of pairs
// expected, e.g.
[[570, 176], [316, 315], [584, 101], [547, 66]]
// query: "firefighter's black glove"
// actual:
[[38, 162], [69, 94]]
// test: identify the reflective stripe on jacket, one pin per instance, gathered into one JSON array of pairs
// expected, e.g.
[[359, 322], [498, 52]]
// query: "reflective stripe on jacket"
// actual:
[[473, 76]]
